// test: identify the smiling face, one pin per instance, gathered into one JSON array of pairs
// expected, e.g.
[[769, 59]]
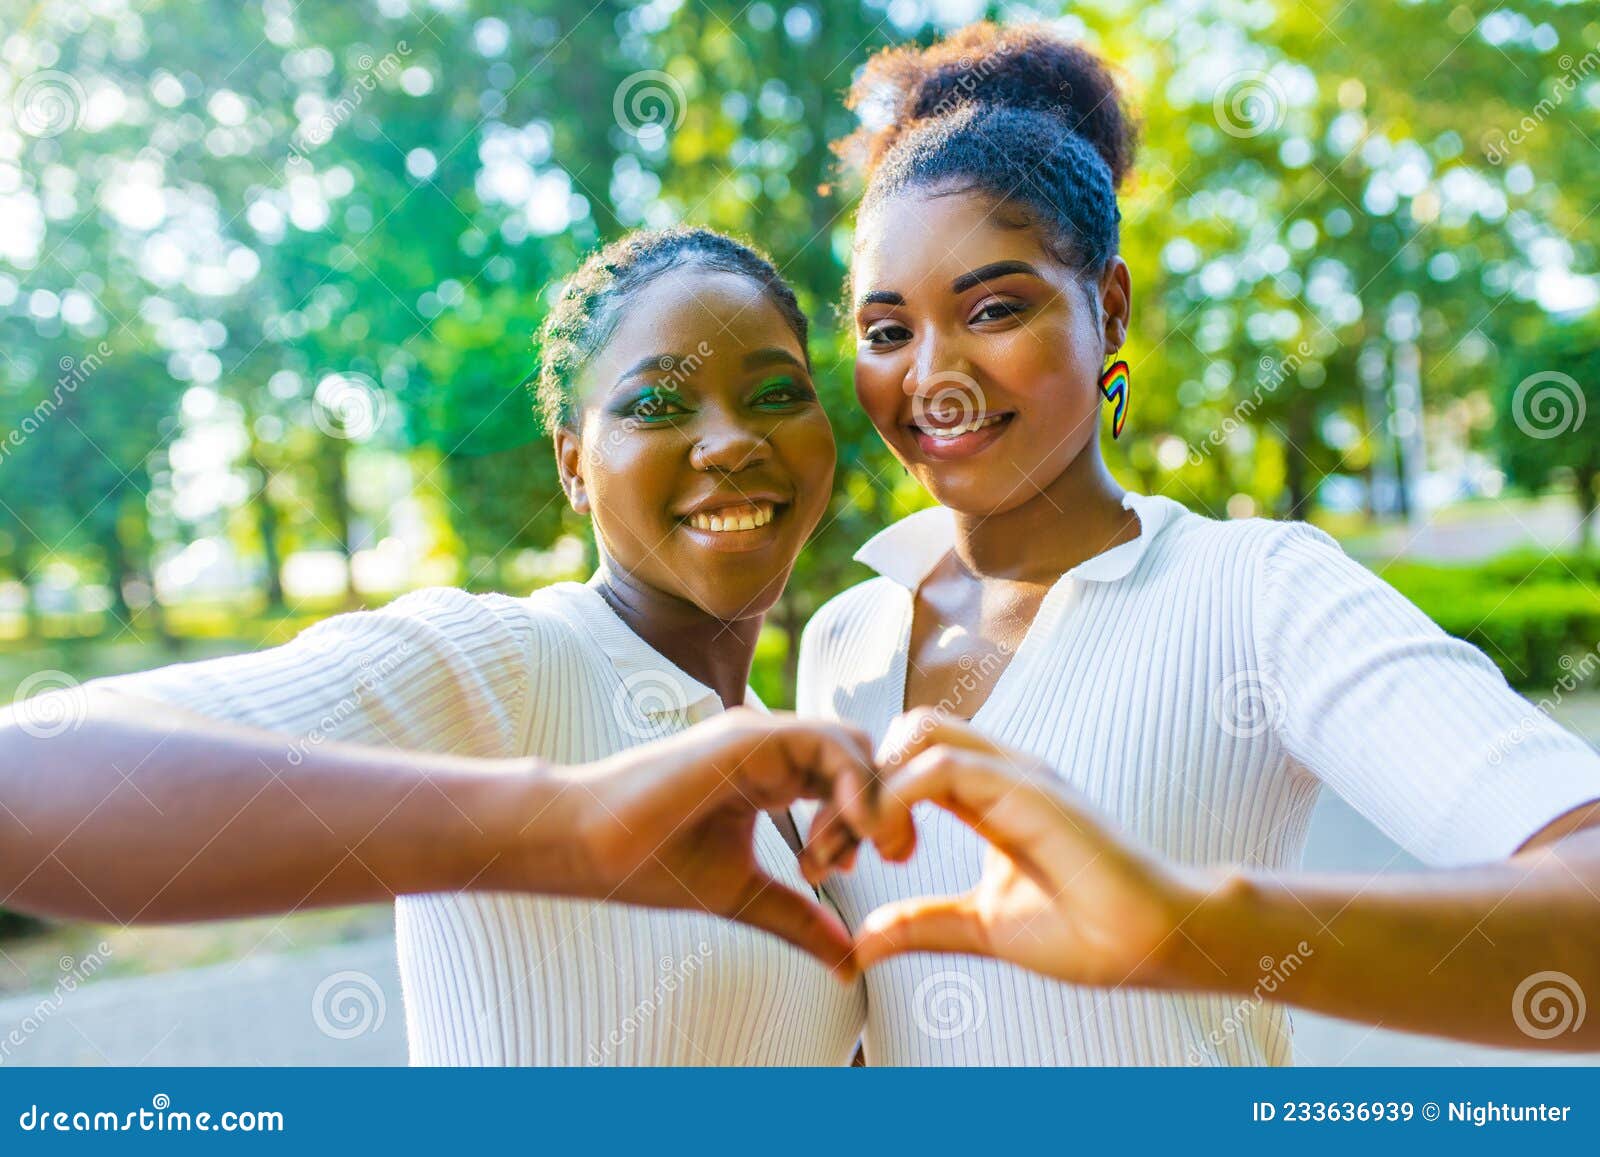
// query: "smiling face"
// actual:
[[699, 447], [979, 351]]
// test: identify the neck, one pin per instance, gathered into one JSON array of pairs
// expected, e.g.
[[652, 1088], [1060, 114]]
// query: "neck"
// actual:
[[1077, 516], [713, 651]]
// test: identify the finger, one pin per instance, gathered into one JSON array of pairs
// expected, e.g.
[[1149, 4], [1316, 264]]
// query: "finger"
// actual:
[[858, 740], [920, 728], [969, 786], [827, 844], [833, 763], [807, 758], [839, 856], [854, 778], [802, 922], [895, 834], [856, 797], [867, 789], [928, 924], [773, 762], [1038, 824]]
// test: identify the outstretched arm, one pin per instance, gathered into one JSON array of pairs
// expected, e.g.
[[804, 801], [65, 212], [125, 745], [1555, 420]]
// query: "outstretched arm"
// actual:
[[148, 813]]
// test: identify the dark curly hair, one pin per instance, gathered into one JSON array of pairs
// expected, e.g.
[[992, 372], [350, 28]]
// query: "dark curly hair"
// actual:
[[1031, 119], [591, 301]]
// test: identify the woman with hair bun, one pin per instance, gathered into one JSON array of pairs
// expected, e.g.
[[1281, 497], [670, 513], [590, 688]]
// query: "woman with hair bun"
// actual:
[[1135, 704]]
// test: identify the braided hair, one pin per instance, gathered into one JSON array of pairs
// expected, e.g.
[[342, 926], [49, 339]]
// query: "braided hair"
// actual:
[[591, 303]]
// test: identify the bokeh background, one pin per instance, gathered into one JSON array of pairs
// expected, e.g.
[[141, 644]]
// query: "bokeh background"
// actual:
[[270, 271]]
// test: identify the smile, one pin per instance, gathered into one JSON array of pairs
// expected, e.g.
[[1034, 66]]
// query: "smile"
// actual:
[[729, 519], [965, 428], [963, 440]]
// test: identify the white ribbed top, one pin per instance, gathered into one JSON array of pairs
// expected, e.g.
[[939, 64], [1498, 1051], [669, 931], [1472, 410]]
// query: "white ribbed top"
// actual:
[[505, 978], [1199, 685]]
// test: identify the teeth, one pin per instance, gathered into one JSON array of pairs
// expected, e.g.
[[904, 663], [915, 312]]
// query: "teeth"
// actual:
[[964, 428], [731, 518]]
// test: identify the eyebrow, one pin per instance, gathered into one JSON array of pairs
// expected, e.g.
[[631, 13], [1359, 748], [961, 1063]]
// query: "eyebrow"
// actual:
[[666, 363], [990, 272], [771, 356], [879, 297], [651, 364]]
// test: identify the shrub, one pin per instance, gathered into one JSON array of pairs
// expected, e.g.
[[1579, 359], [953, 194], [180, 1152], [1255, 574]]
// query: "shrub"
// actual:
[[1534, 615], [14, 924]]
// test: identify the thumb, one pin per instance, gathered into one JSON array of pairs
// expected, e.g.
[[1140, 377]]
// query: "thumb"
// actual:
[[928, 924], [802, 922]]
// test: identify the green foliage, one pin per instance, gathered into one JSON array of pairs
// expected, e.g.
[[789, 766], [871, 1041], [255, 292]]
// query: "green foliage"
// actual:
[[1545, 405], [285, 195], [1534, 615], [14, 924]]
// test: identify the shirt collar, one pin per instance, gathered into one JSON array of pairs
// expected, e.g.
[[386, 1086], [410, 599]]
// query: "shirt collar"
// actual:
[[652, 684], [908, 550]]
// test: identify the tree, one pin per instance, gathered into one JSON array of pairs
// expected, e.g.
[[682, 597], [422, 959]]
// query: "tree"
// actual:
[[1549, 402]]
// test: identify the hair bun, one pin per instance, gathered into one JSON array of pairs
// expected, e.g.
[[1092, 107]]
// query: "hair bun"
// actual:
[[1027, 67]]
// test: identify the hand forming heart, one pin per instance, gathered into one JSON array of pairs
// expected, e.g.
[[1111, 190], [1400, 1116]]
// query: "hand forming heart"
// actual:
[[672, 824], [1061, 893]]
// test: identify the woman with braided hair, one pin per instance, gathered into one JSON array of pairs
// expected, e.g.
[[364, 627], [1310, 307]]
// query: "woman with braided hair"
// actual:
[[502, 766]]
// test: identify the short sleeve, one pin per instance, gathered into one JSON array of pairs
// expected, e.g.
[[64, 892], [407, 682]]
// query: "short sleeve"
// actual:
[[438, 670], [1418, 730]]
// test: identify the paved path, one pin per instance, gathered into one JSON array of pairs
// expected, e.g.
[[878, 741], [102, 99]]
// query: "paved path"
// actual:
[[1480, 531], [332, 1006]]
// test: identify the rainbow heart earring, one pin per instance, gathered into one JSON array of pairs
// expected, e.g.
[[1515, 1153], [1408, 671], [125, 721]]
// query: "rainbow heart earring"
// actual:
[[1114, 385]]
